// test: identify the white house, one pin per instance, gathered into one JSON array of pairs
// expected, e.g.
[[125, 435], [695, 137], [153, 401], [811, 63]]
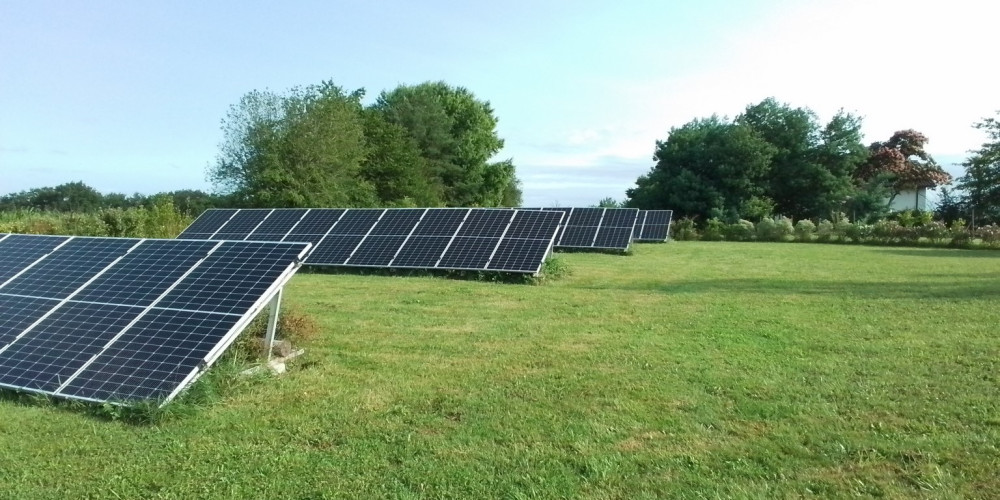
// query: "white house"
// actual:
[[910, 199]]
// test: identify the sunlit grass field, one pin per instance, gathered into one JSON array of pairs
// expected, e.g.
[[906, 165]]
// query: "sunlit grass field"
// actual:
[[745, 370]]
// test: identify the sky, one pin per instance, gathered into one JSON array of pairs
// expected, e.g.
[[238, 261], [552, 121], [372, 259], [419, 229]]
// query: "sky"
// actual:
[[129, 96]]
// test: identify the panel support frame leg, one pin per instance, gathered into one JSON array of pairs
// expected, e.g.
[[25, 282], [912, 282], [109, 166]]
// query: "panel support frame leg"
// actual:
[[272, 323]]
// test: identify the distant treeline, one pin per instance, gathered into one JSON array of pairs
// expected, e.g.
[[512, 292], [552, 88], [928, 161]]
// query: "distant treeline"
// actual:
[[81, 198]]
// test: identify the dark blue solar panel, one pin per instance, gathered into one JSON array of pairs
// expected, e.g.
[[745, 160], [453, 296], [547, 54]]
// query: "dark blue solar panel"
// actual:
[[20, 250], [578, 236], [62, 272], [519, 255], [398, 222], [146, 272], [232, 278], [468, 253], [277, 224], [653, 225], [317, 221], [536, 225], [486, 223], [613, 237], [18, 313], [46, 342], [334, 250], [243, 223], [585, 217], [357, 221], [376, 251], [153, 357], [51, 352], [421, 251], [209, 222], [440, 222]]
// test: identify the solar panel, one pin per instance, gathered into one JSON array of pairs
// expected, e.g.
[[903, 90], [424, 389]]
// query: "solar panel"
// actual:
[[653, 225], [595, 228], [124, 319], [478, 239]]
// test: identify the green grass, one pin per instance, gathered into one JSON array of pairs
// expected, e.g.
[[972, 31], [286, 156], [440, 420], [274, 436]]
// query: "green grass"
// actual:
[[684, 370]]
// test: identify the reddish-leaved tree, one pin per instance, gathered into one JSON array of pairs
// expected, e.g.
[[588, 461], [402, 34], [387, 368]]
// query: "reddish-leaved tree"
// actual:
[[903, 157]]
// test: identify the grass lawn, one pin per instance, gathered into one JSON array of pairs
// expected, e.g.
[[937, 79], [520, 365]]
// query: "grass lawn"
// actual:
[[684, 370]]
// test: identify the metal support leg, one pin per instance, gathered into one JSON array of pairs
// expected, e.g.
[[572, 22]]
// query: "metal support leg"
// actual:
[[272, 323]]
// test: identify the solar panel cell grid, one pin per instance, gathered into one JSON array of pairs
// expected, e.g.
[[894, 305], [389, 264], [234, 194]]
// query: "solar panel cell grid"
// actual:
[[243, 222], [232, 278], [18, 313], [421, 252], [146, 272], [278, 223], [64, 271], [376, 251], [397, 222], [486, 223], [468, 253], [441, 222], [316, 222], [153, 357], [209, 222], [20, 250], [51, 352]]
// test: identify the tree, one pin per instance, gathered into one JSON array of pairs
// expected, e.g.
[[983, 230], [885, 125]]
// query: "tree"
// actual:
[[609, 202], [905, 161], [981, 181], [706, 168], [456, 135], [949, 207], [68, 197], [303, 148], [393, 165], [812, 167]]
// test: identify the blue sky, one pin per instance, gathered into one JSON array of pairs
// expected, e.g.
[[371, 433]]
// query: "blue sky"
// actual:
[[128, 96]]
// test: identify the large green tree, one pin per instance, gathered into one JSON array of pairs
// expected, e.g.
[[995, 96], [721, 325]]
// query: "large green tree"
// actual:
[[812, 166], [394, 166], [457, 138], [707, 167], [981, 182], [301, 148]]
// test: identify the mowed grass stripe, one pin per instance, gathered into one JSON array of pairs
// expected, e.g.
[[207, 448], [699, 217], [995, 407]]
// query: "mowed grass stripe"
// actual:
[[685, 369]]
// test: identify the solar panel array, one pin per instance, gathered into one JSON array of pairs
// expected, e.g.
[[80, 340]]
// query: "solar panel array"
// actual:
[[120, 319], [595, 228], [653, 225], [479, 239]]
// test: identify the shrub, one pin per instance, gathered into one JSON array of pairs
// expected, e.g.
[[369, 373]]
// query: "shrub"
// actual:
[[824, 231], [804, 230], [906, 218], [934, 231], [714, 230], [765, 229], [684, 230], [740, 231]]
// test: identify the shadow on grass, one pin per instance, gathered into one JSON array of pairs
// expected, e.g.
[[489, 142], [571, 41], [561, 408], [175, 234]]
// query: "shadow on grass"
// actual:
[[980, 289], [942, 252]]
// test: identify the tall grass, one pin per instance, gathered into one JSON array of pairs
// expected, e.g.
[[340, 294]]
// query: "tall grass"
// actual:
[[158, 220]]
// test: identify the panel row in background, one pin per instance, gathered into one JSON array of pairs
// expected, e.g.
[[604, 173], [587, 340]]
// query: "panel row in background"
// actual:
[[122, 319], [653, 225], [477, 239]]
